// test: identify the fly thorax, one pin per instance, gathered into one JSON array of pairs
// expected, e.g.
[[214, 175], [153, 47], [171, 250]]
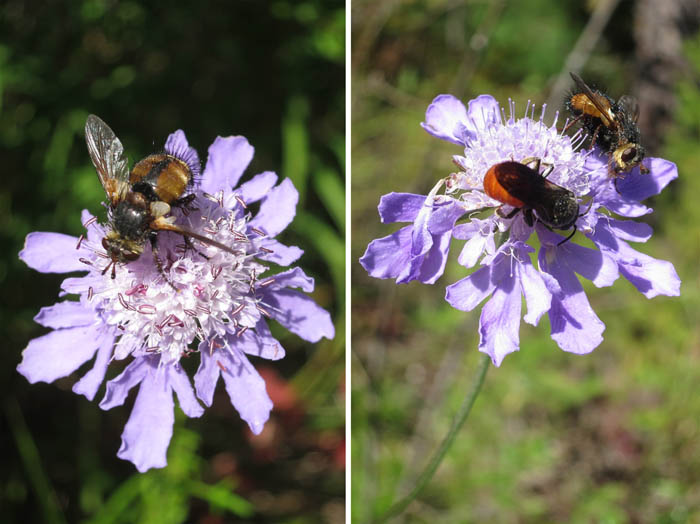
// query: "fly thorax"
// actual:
[[131, 217]]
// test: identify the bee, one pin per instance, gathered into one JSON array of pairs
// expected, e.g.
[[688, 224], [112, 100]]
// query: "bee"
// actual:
[[526, 189], [612, 125], [140, 200]]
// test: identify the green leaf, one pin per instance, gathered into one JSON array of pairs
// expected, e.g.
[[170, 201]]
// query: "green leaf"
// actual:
[[330, 190], [221, 495]]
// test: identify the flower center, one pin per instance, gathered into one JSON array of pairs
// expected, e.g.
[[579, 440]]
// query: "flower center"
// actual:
[[203, 292]]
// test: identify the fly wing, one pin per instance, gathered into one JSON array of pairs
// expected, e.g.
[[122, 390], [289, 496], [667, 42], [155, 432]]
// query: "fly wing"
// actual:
[[600, 102], [107, 154], [629, 106]]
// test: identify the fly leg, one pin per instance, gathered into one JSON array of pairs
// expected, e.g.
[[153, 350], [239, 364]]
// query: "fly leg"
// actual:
[[159, 265], [595, 137], [184, 203], [566, 128], [190, 245]]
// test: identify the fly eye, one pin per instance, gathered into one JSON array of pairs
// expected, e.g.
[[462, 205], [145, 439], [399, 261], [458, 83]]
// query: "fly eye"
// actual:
[[629, 154], [131, 256]]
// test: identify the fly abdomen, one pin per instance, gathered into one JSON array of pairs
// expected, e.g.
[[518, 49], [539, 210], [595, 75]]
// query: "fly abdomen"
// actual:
[[161, 177]]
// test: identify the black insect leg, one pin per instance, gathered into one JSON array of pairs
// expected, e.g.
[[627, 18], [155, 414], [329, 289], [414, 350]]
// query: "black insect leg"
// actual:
[[566, 128], [595, 137], [190, 245], [502, 214], [159, 265], [568, 238], [184, 204]]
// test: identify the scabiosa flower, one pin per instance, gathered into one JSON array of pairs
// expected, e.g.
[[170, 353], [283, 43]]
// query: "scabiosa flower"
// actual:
[[499, 241], [208, 302]]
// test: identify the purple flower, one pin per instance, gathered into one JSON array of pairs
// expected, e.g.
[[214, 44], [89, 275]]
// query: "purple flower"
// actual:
[[507, 274], [216, 302]]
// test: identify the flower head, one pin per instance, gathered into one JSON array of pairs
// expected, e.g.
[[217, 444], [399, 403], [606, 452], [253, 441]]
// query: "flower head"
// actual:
[[498, 241], [189, 297]]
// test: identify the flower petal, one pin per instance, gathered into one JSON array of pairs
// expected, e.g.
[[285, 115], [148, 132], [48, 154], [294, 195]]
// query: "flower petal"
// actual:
[[118, 388], [180, 383], [638, 186], [500, 321], [537, 297], [484, 111], [277, 209], [246, 389], [386, 257], [59, 353], [630, 230], [596, 266], [177, 146], [446, 118], [91, 381], [228, 159], [652, 277], [51, 253], [257, 187], [264, 345], [400, 207], [468, 293], [429, 267], [207, 374], [279, 253], [81, 285], [574, 325], [148, 431], [294, 277], [65, 314], [298, 313]]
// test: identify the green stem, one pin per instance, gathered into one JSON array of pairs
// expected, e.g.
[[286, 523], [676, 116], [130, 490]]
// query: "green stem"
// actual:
[[458, 421]]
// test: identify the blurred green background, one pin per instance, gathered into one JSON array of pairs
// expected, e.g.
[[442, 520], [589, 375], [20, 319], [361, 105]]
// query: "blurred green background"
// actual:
[[271, 71], [554, 437]]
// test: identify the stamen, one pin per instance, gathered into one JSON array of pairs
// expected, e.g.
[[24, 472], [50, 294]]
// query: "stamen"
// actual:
[[221, 366], [175, 322], [85, 261], [147, 309], [124, 303], [240, 236], [237, 310], [80, 241], [139, 288], [241, 202], [263, 310], [90, 222]]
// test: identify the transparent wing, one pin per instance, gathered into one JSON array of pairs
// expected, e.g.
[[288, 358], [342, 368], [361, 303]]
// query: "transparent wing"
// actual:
[[107, 154], [600, 102], [630, 106]]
